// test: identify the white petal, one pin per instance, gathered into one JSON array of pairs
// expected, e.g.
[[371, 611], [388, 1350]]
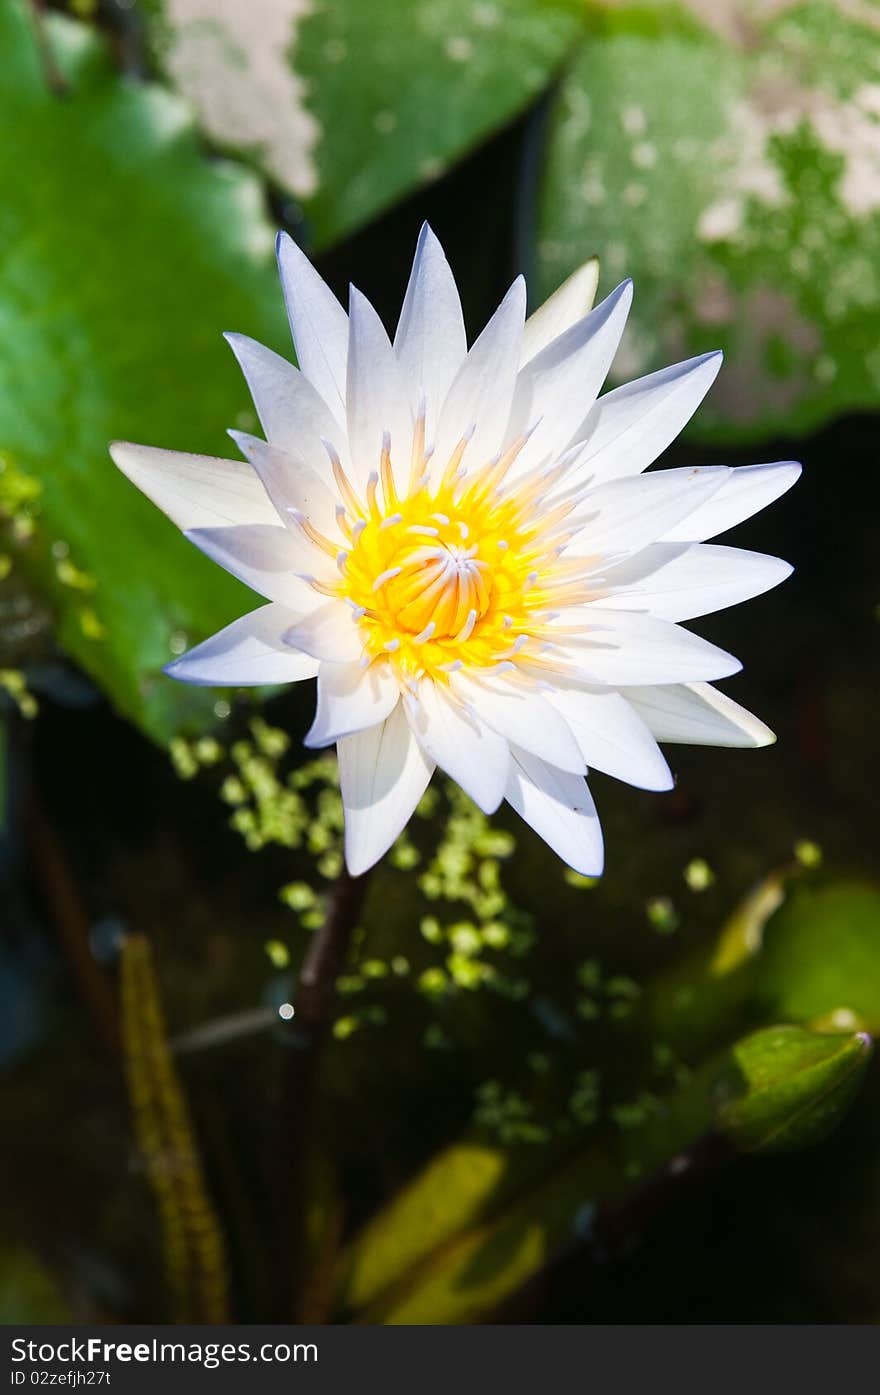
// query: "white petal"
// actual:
[[292, 413], [630, 427], [612, 737], [749, 489], [637, 649], [330, 632], [524, 717], [291, 484], [430, 342], [351, 698], [482, 392], [695, 714], [271, 561], [623, 516], [476, 757], [377, 396], [560, 808], [383, 774], [568, 304], [249, 651], [672, 584], [318, 323], [195, 491], [555, 391]]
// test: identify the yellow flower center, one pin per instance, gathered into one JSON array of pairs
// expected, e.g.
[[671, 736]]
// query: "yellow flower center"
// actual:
[[460, 572]]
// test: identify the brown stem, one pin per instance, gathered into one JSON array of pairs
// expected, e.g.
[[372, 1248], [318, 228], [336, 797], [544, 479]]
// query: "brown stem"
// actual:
[[72, 922], [325, 959], [304, 1039], [615, 1225], [55, 80]]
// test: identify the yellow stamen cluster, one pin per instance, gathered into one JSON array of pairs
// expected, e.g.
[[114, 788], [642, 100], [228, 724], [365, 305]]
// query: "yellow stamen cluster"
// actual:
[[461, 570]]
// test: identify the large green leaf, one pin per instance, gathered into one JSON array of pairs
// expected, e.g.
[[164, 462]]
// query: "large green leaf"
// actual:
[[795, 950], [125, 254], [821, 959], [349, 105], [736, 176]]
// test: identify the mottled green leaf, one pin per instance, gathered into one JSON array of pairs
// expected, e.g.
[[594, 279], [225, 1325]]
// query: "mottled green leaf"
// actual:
[[125, 255], [349, 105], [784, 1087], [735, 174]]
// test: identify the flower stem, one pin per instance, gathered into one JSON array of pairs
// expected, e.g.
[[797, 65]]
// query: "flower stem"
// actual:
[[305, 1035], [55, 80]]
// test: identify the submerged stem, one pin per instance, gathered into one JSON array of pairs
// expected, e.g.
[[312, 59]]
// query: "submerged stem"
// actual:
[[304, 1039]]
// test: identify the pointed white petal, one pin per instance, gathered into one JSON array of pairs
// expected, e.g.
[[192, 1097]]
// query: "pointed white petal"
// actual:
[[695, 714], [383, 774], [195, 491], [291, 484], [556, 389], [523, 716], [625, 515], [377, 396], [292, 413], [430, 342], [630, 427], [269, 560], [330, 632], [482, 392], [672, 584], [318, 323], [350, 699], [637, 649], [477, 758], [749, 489], [247, 652], [612, 737], [560, 808], [568, 304]]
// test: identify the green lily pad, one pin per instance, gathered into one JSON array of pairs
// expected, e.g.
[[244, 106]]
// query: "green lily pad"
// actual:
[[350, 105], [821, 958], [734, 173], [125, 256], [785, 1087]]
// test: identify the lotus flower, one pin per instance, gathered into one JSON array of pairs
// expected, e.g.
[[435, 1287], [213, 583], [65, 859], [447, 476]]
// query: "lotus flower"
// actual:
[[462, 546]]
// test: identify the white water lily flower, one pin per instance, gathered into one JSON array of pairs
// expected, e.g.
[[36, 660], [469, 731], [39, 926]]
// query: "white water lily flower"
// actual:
[[461, 546]]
